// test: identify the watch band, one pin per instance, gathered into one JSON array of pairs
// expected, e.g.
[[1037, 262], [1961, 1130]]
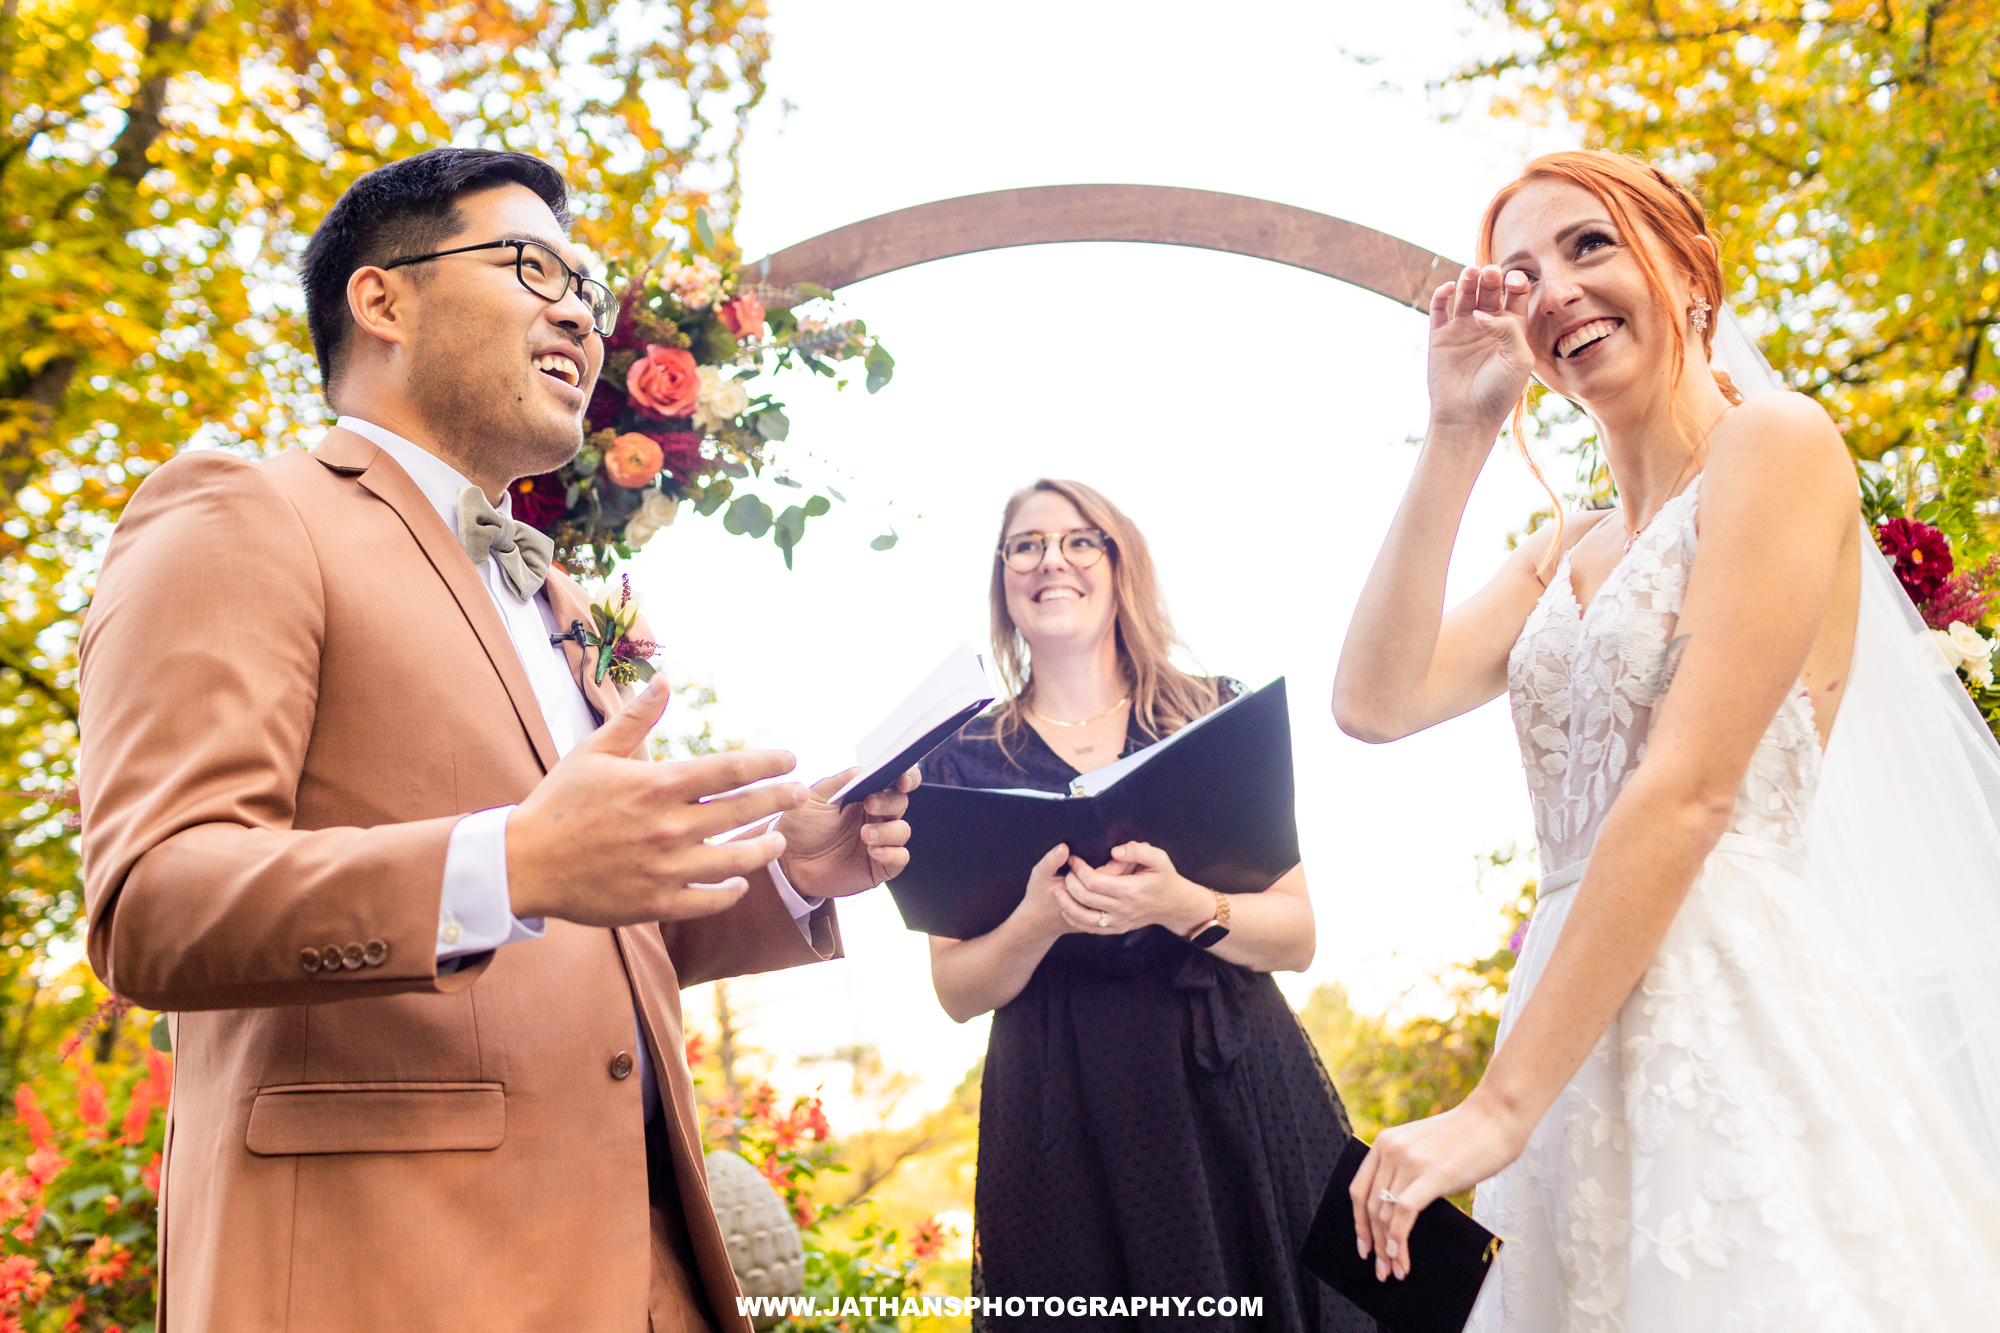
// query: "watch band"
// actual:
[[1212, 931]]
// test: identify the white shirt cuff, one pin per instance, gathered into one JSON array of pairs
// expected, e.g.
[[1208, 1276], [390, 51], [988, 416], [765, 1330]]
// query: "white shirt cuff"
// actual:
[[799, 906], [475, 915]]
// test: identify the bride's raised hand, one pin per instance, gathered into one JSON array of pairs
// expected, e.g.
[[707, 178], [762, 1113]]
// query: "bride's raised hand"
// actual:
[[1480, 357]]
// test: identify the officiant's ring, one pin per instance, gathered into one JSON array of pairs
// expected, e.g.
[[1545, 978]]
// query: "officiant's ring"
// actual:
[[1387, 1198], [1103, 920]]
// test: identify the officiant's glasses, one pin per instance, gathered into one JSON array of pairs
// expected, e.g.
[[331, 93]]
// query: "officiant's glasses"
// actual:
[[1082, 547], [542, 271]]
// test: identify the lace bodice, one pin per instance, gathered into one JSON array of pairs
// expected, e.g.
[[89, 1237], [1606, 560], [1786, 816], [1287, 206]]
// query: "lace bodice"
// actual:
[[1583, 683]]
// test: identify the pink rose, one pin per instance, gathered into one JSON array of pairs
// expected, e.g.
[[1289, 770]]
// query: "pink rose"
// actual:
[[663, 383], [743, 316], [634, 459]]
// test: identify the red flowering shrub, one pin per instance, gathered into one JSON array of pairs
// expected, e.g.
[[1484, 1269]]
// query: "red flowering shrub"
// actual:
[[1920, 554], [79, 1206]]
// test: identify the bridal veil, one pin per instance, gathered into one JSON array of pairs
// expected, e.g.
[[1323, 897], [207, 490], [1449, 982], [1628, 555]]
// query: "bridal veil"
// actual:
[[1905, 840]]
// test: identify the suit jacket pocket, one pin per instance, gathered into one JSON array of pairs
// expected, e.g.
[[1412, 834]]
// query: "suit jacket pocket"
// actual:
[[302, 1118]]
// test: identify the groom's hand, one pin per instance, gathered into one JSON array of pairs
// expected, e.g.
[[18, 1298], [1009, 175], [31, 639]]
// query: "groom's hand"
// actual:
[[833, 851], [609, 840]]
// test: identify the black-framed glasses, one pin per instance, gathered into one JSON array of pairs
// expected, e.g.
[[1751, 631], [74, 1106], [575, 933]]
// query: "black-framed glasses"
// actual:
[[543, 272], [1082, 547]]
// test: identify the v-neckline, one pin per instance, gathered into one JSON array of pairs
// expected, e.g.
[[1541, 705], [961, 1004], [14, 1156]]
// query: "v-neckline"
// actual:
[[1564, 575]]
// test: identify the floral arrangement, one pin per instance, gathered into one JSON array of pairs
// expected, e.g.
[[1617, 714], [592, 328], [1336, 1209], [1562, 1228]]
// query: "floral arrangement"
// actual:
[[676, 418], [1954, 603]]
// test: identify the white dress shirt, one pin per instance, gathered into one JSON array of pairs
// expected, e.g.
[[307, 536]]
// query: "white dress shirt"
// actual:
[[475, 914]]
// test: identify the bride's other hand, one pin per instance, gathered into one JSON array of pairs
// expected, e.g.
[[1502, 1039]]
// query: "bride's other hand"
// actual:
[[1419, 1163], [1480, 357]]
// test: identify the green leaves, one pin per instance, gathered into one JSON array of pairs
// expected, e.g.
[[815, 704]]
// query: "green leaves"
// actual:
[[884, 542], [717, 345], [160, 1036], [747, 516], [881, 367], [704, 230], [772, 424]]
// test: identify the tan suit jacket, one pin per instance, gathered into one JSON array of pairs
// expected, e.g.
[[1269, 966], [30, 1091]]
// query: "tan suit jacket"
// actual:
[[294, 683]]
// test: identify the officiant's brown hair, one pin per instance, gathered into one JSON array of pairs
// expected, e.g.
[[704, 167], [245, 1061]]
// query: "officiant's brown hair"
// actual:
[[1164, 698]]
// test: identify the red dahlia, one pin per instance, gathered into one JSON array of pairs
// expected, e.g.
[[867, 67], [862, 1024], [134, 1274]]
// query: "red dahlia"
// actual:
[[1920, 554], [540, 502]]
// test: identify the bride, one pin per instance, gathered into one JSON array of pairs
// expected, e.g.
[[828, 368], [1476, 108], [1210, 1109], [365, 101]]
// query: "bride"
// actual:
[[1739, 1087]]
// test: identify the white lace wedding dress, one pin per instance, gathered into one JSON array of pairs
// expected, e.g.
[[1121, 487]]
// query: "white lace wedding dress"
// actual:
[[1754, 1145]]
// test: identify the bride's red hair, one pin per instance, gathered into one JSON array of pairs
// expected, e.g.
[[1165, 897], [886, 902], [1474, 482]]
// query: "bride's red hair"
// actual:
[[1647, 205]]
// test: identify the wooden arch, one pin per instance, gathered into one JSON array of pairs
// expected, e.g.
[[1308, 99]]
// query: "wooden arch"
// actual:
[[1154, 214]]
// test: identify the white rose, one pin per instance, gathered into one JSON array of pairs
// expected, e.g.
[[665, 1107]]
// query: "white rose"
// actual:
[[720, 402], [659, 510], [1980, 672], [638, 531], [1966, 639], [1949, 647]]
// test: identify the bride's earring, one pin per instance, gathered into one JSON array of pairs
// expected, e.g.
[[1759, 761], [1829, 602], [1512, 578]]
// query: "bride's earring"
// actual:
[[1698, 313]]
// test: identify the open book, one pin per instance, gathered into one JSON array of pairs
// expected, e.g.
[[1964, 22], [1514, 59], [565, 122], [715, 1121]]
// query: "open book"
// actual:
[[1216, 796], [949, 697]]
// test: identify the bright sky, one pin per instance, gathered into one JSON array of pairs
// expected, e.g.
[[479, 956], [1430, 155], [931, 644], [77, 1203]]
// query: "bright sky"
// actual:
[[1251, 418]]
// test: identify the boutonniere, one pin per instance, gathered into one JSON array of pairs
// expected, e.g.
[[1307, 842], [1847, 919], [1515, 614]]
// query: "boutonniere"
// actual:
[[624, 659]]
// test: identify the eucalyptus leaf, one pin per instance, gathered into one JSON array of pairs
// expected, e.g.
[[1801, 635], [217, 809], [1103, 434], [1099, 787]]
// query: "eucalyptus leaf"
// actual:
[[836, 495], [736, 470], [790, 529], [778, 479], [712, 499], [717, 345], [818, 505], [747, 516], [884, 542], [703, 229], [160, 1036], [782, 322], [644, 670], [881, 367], [773, 424]]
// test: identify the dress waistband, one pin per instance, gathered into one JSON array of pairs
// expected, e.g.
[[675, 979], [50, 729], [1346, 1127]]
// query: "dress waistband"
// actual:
[[1789, 857]]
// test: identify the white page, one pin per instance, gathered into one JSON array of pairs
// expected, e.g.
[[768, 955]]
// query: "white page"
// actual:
[[957, 683], [1099, 780]]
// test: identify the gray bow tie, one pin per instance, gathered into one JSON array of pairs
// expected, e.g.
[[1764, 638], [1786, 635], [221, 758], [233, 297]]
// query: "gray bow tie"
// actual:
[[522, 553]]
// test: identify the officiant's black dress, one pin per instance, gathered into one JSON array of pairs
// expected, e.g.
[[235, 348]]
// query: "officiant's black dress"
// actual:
[[1153, 1120]]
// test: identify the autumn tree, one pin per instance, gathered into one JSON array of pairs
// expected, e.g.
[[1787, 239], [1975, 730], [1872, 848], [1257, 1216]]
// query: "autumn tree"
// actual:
[[1847, 151], [161, 164]]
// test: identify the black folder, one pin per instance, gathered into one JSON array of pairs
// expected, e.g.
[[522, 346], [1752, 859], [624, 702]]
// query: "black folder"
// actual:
[[1449, 1257], [1216, 796]]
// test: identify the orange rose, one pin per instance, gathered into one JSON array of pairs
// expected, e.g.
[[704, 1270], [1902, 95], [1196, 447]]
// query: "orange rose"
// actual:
[[743, 316], [634, 459], [663, 383]]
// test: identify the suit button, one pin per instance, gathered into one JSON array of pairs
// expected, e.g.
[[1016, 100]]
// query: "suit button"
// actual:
[[375, 952], [329, 958], [621, 1065], [351, 956], [309, 959]]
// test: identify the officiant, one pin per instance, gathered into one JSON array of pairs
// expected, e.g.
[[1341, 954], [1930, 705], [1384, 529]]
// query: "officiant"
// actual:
[[393, 856], [1153, 1119]]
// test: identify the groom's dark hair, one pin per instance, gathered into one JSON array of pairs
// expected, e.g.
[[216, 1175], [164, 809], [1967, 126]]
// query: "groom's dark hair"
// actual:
[[406, 208]]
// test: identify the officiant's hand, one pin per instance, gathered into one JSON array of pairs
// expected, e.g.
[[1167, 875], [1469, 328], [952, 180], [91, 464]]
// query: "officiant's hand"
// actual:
[[1422, 1162], [1137, 887], [832, 852], [609, 840]]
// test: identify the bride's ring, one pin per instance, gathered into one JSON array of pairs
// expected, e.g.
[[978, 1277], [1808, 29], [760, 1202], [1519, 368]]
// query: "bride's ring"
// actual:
[[1103, 920], [1387, 1198]]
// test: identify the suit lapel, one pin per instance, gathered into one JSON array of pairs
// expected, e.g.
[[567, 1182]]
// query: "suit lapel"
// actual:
[[344, 451], [566, 600]]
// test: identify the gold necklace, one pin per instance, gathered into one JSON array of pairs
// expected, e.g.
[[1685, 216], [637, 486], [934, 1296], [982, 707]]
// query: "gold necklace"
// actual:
[[1071, 745], [1058, 722]]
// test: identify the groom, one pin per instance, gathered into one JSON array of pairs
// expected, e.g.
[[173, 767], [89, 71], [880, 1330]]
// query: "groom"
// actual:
[[398, 865]]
